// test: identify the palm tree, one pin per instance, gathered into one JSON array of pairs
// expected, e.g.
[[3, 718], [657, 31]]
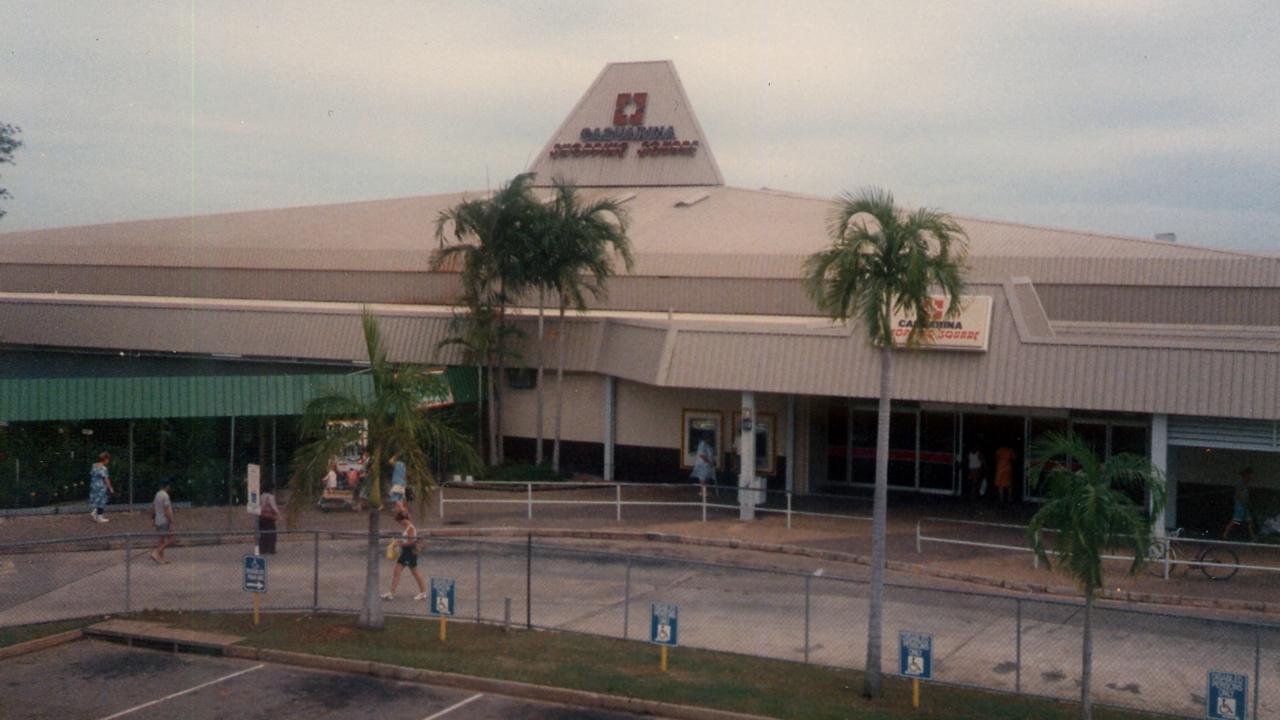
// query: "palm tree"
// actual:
[[579, 245], [495, 266], [1090, 509], [883, 260], [390, 421]]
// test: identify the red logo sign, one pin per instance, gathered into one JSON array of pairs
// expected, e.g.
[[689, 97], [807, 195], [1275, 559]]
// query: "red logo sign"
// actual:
[[634, 102]]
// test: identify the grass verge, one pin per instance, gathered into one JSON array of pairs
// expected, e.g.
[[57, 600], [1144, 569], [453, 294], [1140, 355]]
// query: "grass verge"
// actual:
[[723, 681], [23, 633]]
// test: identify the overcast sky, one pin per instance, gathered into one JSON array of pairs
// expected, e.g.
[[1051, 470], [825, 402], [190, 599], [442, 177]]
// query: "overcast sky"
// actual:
[[1118, 116]]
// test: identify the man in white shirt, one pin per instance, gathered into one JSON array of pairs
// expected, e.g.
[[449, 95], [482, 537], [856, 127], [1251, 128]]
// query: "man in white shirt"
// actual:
[[162, 521]]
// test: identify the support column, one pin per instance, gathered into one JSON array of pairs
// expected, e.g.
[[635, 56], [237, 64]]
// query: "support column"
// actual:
[[610, 426], [1160, 460], [747, 457], [791, 443]]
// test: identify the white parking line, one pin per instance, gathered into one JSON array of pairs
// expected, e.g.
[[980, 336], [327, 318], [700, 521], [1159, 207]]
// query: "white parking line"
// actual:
[[453, 707], [183, 692]]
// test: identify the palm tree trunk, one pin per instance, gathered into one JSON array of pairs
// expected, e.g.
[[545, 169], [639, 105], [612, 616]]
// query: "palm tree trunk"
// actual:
[[493, 418], [871, 687], [371, 612], [542, 301], [1086, 658], [496, 418], [555, 450]]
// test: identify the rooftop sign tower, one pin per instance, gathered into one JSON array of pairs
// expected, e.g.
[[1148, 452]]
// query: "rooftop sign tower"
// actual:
[[634, 127]]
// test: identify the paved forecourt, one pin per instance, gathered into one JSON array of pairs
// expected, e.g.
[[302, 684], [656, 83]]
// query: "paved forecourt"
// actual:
[[97, 680]]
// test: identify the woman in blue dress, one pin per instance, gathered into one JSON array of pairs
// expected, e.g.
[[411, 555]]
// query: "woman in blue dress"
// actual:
[[99, 488]]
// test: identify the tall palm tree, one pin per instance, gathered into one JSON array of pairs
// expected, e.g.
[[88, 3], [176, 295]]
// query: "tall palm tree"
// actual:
[[582, 239], [390, 421], [882, 260], [1090, 509], [492, 239]]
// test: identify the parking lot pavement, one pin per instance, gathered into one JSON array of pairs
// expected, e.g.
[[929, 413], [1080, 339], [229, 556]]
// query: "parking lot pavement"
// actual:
[[95, 680]]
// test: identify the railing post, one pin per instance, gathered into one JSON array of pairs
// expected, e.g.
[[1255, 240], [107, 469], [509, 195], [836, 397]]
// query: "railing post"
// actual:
[[128, 572], [617, 500], [704, 503], [808, 580], [1168, 543], [789, 527], [918, 521], [479, 575], [529, 488], [441, 501], [1017, 665], [528, 579], [315, 571], [626, 601]]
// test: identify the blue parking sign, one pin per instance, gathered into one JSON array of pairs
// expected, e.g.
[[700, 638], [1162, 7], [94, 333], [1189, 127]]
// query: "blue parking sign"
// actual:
[[915, 655], [664, 624], [1227, 696], [442, 597], [255, 574]]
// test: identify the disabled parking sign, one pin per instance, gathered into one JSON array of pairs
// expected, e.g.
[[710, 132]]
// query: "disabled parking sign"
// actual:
[[255, 574], [442, 597], [1227, 696], [915, 655], [664, 624]]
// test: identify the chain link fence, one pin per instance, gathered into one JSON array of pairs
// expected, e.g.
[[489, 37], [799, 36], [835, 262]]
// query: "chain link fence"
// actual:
[[1147, 660]]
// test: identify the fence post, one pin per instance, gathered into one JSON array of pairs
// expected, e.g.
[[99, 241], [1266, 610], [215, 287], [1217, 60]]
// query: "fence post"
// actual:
[[315, 571], [626, 601], [529, 487], [1017, 668], [128, 571], [478, 577], [1257, 668], [617, 500], [528, 578], [789, 527], [808, 579]]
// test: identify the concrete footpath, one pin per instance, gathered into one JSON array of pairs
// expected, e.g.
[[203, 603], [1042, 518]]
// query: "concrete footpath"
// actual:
[[836, 545]]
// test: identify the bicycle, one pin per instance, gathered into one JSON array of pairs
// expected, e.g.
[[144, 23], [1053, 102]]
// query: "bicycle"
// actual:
[[1217, 562]]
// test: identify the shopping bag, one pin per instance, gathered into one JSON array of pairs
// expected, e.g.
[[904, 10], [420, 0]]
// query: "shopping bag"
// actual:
[[393, 550]]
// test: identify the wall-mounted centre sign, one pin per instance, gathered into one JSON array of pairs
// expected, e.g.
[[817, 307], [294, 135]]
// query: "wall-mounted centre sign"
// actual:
[[628, 126], [970, 330]]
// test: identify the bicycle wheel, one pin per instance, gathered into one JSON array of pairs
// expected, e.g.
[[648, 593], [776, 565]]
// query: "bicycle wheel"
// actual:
[[1219, 562]]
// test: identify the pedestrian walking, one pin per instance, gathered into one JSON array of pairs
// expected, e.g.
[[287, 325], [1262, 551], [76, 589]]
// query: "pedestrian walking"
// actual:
[[399, 479], [100, 488], [1004, 473], [408, 545], [1240, 512], [162, 521], [704, 465], [268, 513]]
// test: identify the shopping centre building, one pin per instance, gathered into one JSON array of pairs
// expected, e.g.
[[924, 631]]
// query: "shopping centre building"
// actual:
[[1139, 345]]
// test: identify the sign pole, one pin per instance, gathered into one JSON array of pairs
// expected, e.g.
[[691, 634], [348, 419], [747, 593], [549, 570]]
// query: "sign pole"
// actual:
[[257, 603], [443, 632], [915, 693], [664, 658]]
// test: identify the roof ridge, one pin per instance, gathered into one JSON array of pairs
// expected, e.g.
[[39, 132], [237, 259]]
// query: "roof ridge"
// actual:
[[1109, 236]]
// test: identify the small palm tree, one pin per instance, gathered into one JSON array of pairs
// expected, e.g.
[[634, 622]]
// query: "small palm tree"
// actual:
[[582, 239], [884, 259], [1090, 509], [492, 239], [389, 422]]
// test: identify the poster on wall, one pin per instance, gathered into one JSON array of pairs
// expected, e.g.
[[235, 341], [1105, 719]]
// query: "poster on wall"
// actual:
[[700, 427], [766, 463]]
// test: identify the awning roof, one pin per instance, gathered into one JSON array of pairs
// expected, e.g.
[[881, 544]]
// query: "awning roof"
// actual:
[[135, 398]]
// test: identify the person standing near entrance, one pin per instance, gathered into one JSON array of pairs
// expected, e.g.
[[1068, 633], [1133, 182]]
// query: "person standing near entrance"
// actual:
[[399, 479], [100, 488], [1004, 473], [268, 513], [704, 464], [162, 521], [975, 488], [1240, 514]]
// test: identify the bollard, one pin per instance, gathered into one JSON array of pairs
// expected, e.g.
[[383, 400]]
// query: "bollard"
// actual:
[[506, 615]]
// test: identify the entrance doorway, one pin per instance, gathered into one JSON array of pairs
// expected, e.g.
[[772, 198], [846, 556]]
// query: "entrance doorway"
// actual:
[[996, 438]]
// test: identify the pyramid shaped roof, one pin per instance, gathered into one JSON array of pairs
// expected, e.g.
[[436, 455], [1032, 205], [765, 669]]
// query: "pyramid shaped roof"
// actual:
[[634, 127]]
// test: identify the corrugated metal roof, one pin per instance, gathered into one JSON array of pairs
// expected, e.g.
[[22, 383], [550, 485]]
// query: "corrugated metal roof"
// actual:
[[30, 400]]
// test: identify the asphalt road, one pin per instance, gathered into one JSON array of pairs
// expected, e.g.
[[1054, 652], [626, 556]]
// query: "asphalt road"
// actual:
[[94, 680], [1146, 660]]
